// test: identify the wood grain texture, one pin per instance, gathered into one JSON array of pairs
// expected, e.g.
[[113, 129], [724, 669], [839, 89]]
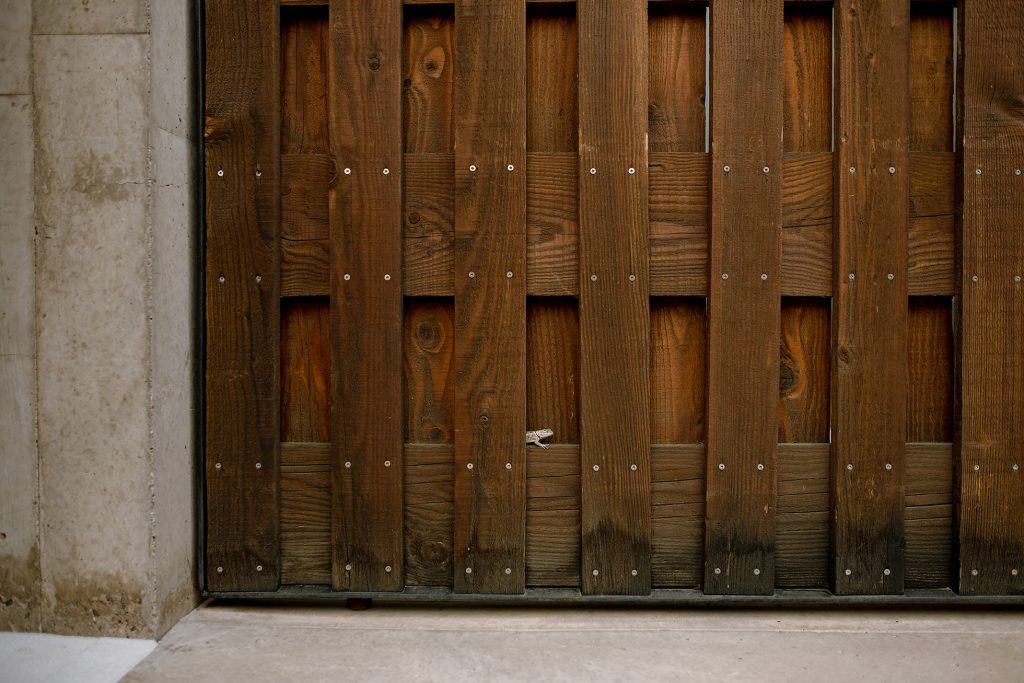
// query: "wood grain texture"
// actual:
[[614, 310], [804, 371], [490, 308], [552, 225], [553, 516], [869, 371], [931, 78], [366, 289], [676, 112], [305, 370], [552, 118], [428, 343], [553, 368], [304, 42], [929, 515], [242, 376], [428, 79], [990, 325], [679, 359], [802, 517], [677, 515], [807, 77], [429, 514], [930, 369], [745, 286]]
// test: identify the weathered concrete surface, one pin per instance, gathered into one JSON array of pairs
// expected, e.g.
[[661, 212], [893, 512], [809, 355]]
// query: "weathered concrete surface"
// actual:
[[90, 16], [19, 550], [92, 211], [15, 42], [400, 644], [42, 658]]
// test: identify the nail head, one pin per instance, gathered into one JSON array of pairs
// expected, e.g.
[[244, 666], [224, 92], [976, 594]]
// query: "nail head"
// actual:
[[472, 168], [348, 567], [593, 278], [347, 277], [725, 276], [887, 571], [766, 169], [726, 169], [848, 572], [977, 171], [593, 171], [597, 468], [508, 570], [892, 169], [632, 468], [348, 464], [632, 171], [259, 567], [511, 167], [508, 466], [757, 572], [387, 569], [974, 572], [634, 572], [469, 465], [508, 274], [469, 570], [472, 274], [348, 171], [387, 276], [849, 466], [764, 276], [718, 570], [595, 572], [220, 570], [259, 466], [217, 466], [387, 463], [760, 467], [632, 278], [220, 172], [721, 465]]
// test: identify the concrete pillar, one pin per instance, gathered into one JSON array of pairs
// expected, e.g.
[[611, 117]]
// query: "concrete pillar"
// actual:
[[101, 511]]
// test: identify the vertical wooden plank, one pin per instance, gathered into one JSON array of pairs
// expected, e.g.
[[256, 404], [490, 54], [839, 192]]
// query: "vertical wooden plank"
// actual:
[[552, 119], [490, 296], [366, 293], [679, 358], [990, 377], [427, 346], [305, 369], [242, 166], [614, 297], [931, 78], [676, 111], [807, 114], [870, 314], [745, 287], [804, 370], [929, 370], [428, 68], [552, 368]]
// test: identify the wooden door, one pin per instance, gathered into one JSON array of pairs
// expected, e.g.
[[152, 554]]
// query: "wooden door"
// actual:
[[748, 263]]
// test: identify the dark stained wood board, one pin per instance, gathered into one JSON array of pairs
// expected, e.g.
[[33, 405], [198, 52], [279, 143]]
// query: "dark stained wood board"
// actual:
[[679, 360], [428, 343], [242, 377], [614, 304], [553, 368], [869, 368], [931, 78], [365, 113], [804, 371], [428, 79], [490, 297], [305, 369], [745, 287], [930, 370], [676, 119], [990, 294]]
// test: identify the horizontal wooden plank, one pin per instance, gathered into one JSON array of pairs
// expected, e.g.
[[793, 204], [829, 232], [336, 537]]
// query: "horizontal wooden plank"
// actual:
[[678, 211], [429, 515], [677, 515], [929, 514], [801, 521], [553, 515]]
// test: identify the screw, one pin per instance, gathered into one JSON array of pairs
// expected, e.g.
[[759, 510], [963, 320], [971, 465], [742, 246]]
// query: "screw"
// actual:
[[849, 466], [472, 168], [508, 570], [387, 276], [348, 171], [757, 572], [632, 468], [725, 276], [1013, 572], [852, 276], [632, 278], [892, 169], [259, 174], [721, 465], [508, 274], [718, 570], [974, 572], [764, 276], [469, 465], [595, 572], [760, 467], [220, 173], [348, 464], [220, 570], [469, 570], [347, 277], [259, 466], [217, 466], [259, 279], [887, 571], [632, 171], [977, 171], [634, 572], [348, 567], [765, 169], [977, 468], [848, 572], [387, 463], [508, 466], [726, 169], [1016, 278], [974, 278], [511, 167], [888, 466], [259, 567], [1016, 467], [472, 275], [1017, 172], [221, 279], [387, 171], [597, 468], [593, 171], [891, 276], [387, 569], [593, 278], [853, 169]]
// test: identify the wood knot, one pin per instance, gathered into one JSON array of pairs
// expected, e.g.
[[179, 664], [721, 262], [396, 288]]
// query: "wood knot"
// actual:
[[844, 356], [413, 218], [429, 336], [374, 61]]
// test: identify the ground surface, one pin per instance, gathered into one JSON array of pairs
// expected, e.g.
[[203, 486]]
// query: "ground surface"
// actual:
[[230, 643], [42, 658]]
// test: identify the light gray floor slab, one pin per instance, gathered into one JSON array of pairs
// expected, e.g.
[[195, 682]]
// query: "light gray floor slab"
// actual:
[[424, 644], [43, 658]]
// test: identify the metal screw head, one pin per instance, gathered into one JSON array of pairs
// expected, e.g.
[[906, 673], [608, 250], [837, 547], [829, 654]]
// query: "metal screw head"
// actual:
[[387, 171], [766, 169], [259, 567], [848, 572], [632, 278], [1016, 172], [849, 466], [760, 467], [348, 171], [508, 274], [891, 276], [472, 168], [977, 171], [892, 169], [633, 573], [508, 466], [1016, 467], [597, 468], [259, 279], [718, 570], [725, 276], [726, 168], [632, 171], [1014, 572], [1016, 278], [259, 174], [853, 169], [593, 278], [221, 279], [220, 173], [887, 571], [217, 466], [888, 466], [347, 277], [721, 465], [508, 570], [259, 466], [469, 570], [852, 276], [632, 468], [974, 572], [764, 276], [469, 465], [977, 468], [595, 572], [220, 570], [387, 276], [348, 464], [757, 572], [472, 275], [387, 569], [974, 278], [511, 167], [387, 463], [593, 171], [348, 567]]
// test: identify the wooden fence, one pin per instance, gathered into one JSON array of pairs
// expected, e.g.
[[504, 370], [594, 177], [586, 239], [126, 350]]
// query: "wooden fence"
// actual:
[[779, 345]]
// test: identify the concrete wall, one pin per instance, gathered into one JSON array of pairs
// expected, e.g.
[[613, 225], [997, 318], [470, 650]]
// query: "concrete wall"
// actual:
[[96, 265]]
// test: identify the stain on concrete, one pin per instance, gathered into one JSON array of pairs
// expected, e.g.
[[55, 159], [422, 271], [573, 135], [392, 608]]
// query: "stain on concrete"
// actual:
[[19, 592], [100, 178], [96, 605]]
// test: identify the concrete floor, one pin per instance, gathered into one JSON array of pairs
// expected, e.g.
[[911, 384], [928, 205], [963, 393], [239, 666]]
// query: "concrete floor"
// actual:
[[44, 658], [258, 643]]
